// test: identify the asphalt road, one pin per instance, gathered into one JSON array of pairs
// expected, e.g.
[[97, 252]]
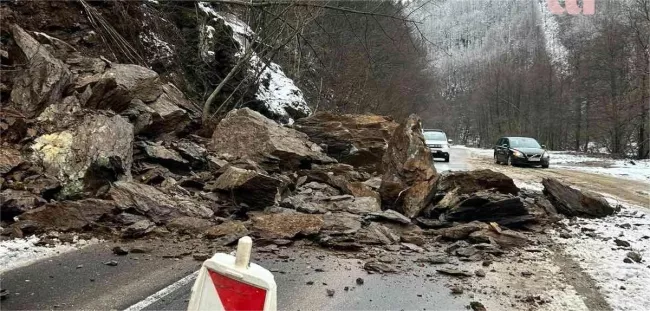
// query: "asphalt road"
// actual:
[[82, 280]]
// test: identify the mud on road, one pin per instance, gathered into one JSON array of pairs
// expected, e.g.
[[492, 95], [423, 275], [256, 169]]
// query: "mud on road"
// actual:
[[630, 191]]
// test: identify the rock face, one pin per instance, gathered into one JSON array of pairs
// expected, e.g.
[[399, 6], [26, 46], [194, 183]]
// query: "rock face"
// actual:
[[409, 176], [248, 186], [246, 133], [572, 202], [44, 80], [473, 181], [74, 156], [358, 140]]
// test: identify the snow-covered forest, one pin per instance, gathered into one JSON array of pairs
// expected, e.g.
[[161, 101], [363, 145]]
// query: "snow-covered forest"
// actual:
[[510, 67]]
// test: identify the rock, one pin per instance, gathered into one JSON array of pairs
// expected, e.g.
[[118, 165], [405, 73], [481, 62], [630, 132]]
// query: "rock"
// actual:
[[246, 133], [189, 225], [566, 235], [526, 273], [359, 281], [377, 234], [201, 256], [253, 188], [456, 290], [227, 233], [435, 259], [286, 226], [380, 267], [454, 272], [480, 273], [572, 202], [412, 247], [359, 205], [467, 182], [634, 256], [156, 153], [16, 202], [69, 215], [120, 251], [477, 306], [389, 215], [156, 205], [359, 140], [119, 85], [9, 159], [627, 260], [359, 189], [408, 174], [621, 243], [490, 207], [486, 263], [44, 80], [505, 239], [98, 151], [166, 116], [330, 293], [340, 224], [192, 152], [128, 218], [138, 229], [111, 263], [460, 232]]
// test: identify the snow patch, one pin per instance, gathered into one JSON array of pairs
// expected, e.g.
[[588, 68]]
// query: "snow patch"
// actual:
[[17, 253], [602, 259]]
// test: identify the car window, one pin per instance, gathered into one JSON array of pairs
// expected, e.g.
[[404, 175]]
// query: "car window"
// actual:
[[499, 141], [524, 142], [505, 142], [435, 136]]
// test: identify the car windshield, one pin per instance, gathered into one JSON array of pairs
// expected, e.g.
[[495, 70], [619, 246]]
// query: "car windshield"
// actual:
[[523, 143], [435, 136]]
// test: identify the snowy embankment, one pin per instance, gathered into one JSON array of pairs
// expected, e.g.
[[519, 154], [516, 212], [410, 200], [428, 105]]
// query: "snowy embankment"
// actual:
[[600, 248], [629, 169], [17, 253]]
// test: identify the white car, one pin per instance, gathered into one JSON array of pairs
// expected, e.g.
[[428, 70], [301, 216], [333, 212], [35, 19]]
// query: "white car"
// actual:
[[438, 143]]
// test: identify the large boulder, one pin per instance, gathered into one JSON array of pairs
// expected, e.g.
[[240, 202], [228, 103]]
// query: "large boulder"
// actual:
[[409, 176], [69, 215], [116, 87], [255, 189], [99, 150], [156, 205], [246, 133], [16, 202], [44, 80], [359, 140], [168, 113], [472, 181], [506, 210], [573, 202], [286, 225]]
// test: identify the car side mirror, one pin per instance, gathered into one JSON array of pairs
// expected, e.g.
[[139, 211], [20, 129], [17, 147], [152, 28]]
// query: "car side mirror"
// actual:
[[449, 141], [504, 146], [543, 146]]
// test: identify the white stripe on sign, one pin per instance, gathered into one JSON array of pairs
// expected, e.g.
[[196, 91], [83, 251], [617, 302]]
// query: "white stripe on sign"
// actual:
[[163, 292]]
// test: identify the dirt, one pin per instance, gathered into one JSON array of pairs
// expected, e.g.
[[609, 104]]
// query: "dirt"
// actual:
[[629, 191]]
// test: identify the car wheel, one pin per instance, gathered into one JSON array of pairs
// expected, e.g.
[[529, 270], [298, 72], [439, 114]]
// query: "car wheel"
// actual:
[[509, 161], [496, 159], [544, 165], [447, 159]]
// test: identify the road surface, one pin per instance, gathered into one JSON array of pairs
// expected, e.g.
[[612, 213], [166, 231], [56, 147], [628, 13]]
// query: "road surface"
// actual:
[[458, 160]]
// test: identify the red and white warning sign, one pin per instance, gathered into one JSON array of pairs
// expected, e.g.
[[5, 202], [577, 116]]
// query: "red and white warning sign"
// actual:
[[232, 283]]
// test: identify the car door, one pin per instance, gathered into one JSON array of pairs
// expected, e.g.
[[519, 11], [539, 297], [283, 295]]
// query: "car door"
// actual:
[[497, 149]]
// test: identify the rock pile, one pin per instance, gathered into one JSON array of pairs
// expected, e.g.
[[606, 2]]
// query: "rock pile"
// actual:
[[89, 145]]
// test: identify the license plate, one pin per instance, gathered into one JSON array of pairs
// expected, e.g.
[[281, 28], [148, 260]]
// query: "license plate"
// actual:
[[534, 159]]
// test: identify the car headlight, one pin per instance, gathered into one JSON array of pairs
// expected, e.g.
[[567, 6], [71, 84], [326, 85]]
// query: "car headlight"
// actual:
[[517, 154], [545, 155]]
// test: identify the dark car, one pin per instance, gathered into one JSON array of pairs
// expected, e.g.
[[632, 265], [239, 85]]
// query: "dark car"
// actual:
[[520, 151]]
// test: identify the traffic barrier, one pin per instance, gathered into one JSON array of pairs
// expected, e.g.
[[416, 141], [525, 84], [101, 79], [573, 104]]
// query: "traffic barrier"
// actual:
[[230, 283]]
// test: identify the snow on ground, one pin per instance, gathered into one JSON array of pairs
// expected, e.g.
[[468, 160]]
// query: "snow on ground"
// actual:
[[17, 253], [624, 284], [629, 169]]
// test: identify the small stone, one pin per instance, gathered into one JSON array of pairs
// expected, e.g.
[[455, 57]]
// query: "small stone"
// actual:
[[621, 243], [627, 260], [477, 306], [120, 251], [111, 263], [622, 287], [310, 283], [456, 290], [566, 235], [626, 226], [419, 295], [80, 266], [360, 281], [201, 256], [526, 273], [140, 250], [92, 280], [487, 263], [330, 292], [319, 270], [346, 288], [480, 273], [636, 257]]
